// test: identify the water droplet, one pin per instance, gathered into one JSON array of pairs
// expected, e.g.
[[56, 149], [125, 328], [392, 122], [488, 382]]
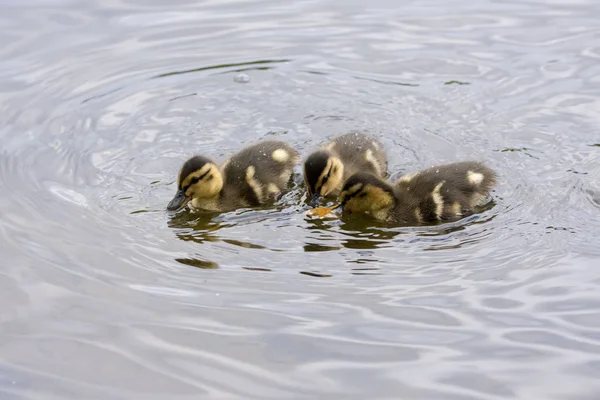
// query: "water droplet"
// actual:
[[241, 78]]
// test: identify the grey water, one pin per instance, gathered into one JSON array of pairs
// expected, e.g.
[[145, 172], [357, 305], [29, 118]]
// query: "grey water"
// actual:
[[104, 295]]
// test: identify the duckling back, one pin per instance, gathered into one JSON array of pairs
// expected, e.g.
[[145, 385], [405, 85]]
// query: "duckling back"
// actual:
[[443, 192], [326, 169], [257, 173], [359, 152]]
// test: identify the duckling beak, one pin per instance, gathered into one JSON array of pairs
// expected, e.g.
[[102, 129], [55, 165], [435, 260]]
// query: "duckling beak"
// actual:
[[179, 201]]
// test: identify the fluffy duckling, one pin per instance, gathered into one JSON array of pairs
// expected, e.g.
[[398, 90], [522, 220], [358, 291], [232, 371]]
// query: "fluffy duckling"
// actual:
[[437, 193], [326, 169], [256, 174]]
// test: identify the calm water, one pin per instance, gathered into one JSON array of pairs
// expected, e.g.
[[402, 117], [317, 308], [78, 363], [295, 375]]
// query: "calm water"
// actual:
[[104, 296]]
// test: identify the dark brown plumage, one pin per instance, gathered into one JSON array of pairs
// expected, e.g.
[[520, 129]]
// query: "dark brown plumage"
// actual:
[[326, 169], [256, 174], [437, 193]]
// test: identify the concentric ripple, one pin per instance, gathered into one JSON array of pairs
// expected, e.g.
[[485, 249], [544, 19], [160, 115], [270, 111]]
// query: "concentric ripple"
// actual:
[[105, 295]]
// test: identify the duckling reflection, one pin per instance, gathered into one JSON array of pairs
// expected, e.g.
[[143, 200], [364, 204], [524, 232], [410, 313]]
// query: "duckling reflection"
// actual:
[[202, 228], [366, 234], [254, 176], [439, 193], [326, 169], [357, 232], [198, 263], [197, 228]]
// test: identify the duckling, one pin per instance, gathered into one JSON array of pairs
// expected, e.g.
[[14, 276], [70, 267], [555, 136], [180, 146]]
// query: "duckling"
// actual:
[[326, 169], [256, 174], [437, 193]]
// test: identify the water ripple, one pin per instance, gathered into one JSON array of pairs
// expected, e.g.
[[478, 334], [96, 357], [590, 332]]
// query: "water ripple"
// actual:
[[107, 296]]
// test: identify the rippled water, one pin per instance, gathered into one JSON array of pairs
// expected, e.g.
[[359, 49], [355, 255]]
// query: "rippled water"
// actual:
[[100, 103]]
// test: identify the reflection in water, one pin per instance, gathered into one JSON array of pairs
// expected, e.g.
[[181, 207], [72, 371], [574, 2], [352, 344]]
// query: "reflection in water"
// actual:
[[316, 247], [386, 82], [257, 269], [366, 233], [366, 271], [198, 263], [363, 243], [246, 65], [197, 227], [330, 234], [454, 82], [245, 245], [316, 274]]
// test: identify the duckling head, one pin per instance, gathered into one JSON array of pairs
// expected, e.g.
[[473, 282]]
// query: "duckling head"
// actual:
[[365, 193], [323, 173], [199, 178]]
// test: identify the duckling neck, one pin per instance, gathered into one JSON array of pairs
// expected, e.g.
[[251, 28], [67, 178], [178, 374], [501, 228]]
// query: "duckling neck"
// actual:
[[348, 171], [206, 204], [383, 214]]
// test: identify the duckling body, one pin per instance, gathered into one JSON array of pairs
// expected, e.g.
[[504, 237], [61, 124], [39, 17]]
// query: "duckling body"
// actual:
[[255, 175], [326, 169], [437, 193]]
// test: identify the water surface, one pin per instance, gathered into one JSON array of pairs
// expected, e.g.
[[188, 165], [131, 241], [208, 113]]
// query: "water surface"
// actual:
[[105, 295]]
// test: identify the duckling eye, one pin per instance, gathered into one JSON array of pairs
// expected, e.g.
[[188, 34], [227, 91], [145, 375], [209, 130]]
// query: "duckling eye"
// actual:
[[195, 180], [334, 170], [362, 195], [208, 178]]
